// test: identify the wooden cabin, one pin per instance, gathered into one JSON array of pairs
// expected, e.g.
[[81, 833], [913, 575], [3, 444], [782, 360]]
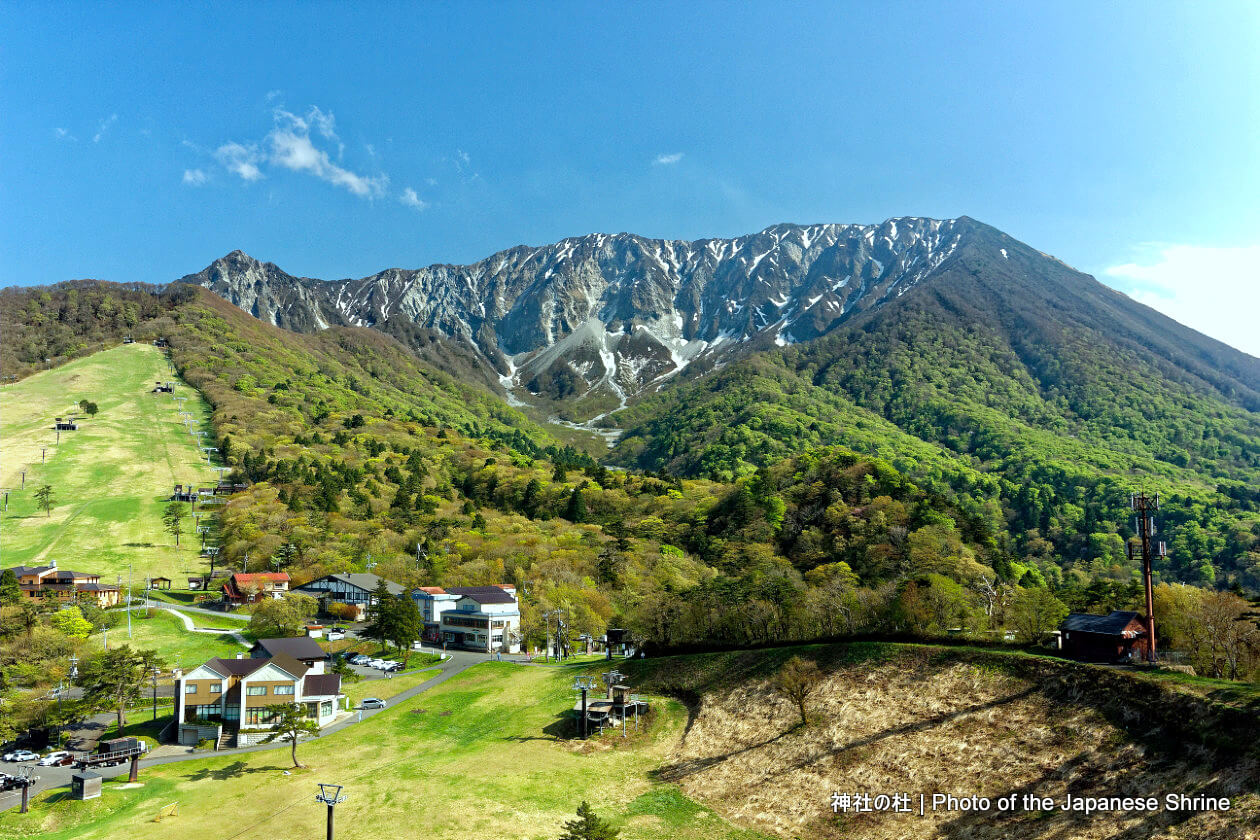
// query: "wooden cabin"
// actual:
[[1118, 637], [160, 583]]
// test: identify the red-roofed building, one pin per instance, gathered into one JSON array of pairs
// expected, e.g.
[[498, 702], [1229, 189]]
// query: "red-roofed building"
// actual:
[[252, 587]]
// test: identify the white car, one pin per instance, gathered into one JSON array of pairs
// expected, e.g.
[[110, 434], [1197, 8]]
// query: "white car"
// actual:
[[335, 635], [372, 703], [376, 663], [21, 755], [53, 757]]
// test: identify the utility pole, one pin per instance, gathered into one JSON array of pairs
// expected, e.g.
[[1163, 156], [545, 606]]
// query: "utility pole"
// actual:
[[1144, 506], [128, 600], [43, 454], [156, 671], [547, 624], [330, 795], [23, 487]]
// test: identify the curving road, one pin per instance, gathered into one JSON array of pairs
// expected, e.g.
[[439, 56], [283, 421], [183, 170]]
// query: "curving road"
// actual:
[[54, 777]]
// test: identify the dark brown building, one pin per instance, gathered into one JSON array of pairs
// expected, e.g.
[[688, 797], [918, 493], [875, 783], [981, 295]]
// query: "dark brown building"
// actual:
[[1118, 637]]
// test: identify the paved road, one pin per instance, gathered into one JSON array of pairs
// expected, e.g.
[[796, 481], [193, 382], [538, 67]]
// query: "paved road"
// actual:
[[54, 777]]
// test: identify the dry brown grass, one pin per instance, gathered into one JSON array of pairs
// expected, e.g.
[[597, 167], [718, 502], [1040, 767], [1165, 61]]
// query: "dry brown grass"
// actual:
[[922, 727]]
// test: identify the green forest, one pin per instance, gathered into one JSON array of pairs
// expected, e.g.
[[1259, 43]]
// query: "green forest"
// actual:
[[919, 481]]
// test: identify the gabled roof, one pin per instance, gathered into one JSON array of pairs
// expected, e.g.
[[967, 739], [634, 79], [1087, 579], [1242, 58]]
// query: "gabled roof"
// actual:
[[235, 667], [249, 577], [365, 581], [287, 664], [482, 594], [298, 647], [1109, 625]]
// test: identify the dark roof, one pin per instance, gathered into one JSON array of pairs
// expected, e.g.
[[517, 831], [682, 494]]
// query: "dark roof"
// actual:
[[321, 685], [29, 570], [299, 647], [288, 664], [365, 581], [97, 587], [1109, 625], [482, 594], [235, 667]]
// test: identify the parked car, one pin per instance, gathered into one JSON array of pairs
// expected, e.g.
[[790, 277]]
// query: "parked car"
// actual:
[[55, 759], [359, 659], [372, 703], [21, 755], [335, 635], [393, 666], [376, 663]]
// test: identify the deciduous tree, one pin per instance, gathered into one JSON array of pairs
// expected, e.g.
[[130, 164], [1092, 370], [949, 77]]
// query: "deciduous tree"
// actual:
[[797, 680], [289, 723]]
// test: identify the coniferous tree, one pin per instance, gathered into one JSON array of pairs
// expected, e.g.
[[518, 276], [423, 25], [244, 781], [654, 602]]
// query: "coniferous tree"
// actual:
[[380, 615], [588, 826], [46, 498], [10, 591]]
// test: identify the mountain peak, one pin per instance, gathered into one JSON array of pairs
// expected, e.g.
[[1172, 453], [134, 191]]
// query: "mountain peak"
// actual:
[[589, 322]]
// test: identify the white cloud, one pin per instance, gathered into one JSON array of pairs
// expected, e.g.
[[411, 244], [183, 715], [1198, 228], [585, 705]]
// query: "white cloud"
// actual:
[[1209, 289], [668, 160], [240, 160], [411, 199], [194, 177], [103, 127], [62, 134], [292, 148]]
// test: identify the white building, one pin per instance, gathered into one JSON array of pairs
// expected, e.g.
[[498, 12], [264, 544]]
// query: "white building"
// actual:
[[484, 618]]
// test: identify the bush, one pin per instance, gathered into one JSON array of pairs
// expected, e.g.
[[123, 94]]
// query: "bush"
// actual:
[[344, 612]]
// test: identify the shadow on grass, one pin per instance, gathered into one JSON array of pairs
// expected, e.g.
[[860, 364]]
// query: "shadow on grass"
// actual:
[[231, 771]]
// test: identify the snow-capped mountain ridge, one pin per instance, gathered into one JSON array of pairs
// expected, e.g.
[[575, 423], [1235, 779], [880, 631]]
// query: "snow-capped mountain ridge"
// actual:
[[608, 316]]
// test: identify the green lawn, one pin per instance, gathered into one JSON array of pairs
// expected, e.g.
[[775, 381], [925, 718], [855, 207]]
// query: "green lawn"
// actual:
[[111, 477], [165, 633], [480, 760], [386, 688]]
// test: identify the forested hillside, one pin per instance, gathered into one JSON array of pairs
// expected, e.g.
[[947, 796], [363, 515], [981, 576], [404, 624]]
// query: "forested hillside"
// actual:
[[361, 455], [1061, 411]]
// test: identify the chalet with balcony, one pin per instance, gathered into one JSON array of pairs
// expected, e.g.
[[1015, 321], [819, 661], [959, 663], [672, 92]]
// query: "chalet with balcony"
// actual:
[[226, 700], [250, 588], [38, 582], [357, 589]]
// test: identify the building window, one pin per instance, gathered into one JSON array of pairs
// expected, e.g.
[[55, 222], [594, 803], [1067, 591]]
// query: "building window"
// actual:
[[255, 690], [326, 708], [190, 688], [283, 689], [216, 688]]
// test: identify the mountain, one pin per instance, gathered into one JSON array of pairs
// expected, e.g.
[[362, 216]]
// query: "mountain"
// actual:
[[597, 320]]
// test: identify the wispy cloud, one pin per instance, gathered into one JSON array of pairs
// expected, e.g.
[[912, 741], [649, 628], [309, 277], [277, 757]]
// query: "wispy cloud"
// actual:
[[194, 177], [103, 127], [240, 160], [1203, 287], [668, 160], [410, 198], [292, 148], [62, 134]]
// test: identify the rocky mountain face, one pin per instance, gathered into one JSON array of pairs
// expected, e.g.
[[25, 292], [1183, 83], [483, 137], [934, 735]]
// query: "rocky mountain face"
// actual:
[[592, 322]]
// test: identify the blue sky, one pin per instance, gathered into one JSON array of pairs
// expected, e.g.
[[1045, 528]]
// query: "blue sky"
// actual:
[[140, 142]]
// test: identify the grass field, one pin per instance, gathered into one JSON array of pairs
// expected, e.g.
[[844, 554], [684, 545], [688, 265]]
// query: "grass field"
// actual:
[[480, 760], [165, 633], [386, 688], [111, 477]]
